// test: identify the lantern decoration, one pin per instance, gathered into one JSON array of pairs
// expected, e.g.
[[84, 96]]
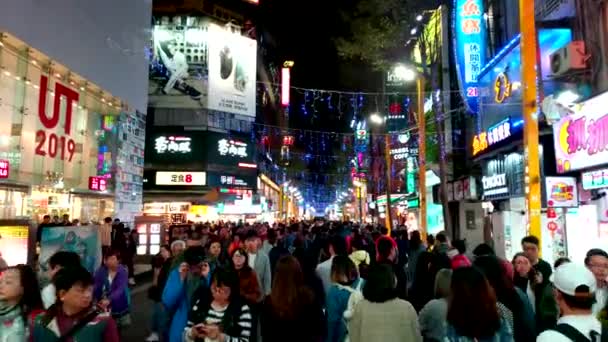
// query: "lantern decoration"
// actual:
[[552, 227], [288, 140]]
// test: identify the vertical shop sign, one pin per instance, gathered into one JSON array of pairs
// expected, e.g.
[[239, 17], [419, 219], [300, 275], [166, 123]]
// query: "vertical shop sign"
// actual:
[[4, 168], [469, 48], [48, 143]]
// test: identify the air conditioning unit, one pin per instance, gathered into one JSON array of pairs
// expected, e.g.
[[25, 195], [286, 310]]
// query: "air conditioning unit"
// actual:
[[570, 58]]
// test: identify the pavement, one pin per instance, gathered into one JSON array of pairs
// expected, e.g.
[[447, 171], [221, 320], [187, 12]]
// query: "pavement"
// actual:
[[141, 309]]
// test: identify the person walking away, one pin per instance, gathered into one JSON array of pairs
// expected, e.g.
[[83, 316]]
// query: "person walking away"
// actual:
[[416, 248], [111, 290], [249, 287], [515, 310], [360, 256], [73, 316], [19, 300], [432, 317], [105, 231], [270, 242], [343, 295], [217, 313], [387, 254], [457, 254], [381, 315], [160, 268], [57, 261], [575, 287], [473, 314], [336, 246], [442, 243], [277, 251], [596, 261], [290, 312], [180, 288], [258, 262]]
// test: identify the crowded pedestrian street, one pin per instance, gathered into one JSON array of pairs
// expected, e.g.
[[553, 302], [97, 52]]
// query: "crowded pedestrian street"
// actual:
[[303, 171]]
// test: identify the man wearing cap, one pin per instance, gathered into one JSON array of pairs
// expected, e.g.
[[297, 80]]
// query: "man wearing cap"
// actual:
[[596, 261], [574, 290]]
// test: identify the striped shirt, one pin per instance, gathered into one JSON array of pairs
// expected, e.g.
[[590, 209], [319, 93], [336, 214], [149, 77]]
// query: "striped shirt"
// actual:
[[215, 317]]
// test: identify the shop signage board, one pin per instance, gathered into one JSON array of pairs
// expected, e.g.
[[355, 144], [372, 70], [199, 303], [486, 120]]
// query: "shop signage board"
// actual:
[[4, 168], [495, 185], [503, 177], [595, 179], [181, 178], [172, 144], [97, 184], [458, 191], [562, 192], [217, 179], [14, 244], [469, 48], [495, 134], [230, 150], [581, 138]]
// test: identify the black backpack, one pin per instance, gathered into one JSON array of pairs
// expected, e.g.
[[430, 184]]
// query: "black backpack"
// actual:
[[576, 336]]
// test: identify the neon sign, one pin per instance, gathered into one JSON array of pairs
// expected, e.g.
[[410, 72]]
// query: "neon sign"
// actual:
[[561, 192], [232, 148], [469, 45], [97, 184], [595, 179], [496, 134], [502, 88], [172, 145], [4, 168], [581, 138]]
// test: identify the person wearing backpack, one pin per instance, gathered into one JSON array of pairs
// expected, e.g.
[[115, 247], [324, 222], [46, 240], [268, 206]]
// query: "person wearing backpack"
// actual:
[[346, 285], [574, 288]]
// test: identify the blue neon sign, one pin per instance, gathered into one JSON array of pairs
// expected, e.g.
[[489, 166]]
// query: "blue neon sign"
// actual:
[[469, 48]]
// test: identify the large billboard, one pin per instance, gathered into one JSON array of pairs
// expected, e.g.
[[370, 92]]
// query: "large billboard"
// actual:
[[203, 66]]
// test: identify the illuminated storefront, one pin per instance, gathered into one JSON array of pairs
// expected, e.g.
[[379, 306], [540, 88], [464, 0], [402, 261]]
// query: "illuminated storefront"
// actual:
[[58, 131]]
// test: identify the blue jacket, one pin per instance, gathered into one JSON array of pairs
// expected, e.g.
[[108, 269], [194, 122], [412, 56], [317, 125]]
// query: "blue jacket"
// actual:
[[176, 300], [118, 293], [337, 302]]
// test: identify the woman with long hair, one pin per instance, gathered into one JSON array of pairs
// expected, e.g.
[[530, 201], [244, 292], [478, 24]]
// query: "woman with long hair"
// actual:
[[19, 298], [291, 311], [433, 315], [472, 309], [381, 315], [217, 312], [346, 283], [249, 286], [513, 308]]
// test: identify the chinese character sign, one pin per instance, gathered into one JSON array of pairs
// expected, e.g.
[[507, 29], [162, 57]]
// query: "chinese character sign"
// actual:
[[97, 184], [232, 148], [494, 135], [469, 47], [4, 168], [172, 144]]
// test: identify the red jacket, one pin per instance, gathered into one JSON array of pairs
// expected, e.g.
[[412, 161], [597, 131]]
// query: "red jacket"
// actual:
[[460, 260]]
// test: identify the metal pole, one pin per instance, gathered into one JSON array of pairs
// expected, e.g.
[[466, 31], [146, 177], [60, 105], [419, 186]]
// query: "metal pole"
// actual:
[[387, 153], [422, 156], [530, 111], [361, 204]]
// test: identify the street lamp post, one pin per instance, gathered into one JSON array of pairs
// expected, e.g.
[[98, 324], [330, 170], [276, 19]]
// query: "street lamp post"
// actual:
[[421, 156]]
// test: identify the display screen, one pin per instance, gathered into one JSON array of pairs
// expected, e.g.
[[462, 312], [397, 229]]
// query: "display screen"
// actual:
[[154, 239], [142, 249], [14, 244], [143, 239], [155, 228]]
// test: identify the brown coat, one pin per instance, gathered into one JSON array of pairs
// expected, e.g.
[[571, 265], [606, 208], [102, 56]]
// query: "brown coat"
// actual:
[[249, 286], [392, 321]]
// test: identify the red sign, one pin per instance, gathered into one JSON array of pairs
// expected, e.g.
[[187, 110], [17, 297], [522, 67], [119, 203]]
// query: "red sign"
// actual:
[[4, 168], [48, 143], [97, 184]]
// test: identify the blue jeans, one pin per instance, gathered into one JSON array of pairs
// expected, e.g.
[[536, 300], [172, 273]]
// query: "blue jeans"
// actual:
[[160, 321]]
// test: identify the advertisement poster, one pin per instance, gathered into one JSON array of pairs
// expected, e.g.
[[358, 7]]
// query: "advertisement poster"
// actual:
[[83, 240], [562, 192], [14, 244], [581, 137], [229, 149], [232, 72]]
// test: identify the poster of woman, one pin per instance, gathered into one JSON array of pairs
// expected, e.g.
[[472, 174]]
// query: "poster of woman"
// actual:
[[83, 240]]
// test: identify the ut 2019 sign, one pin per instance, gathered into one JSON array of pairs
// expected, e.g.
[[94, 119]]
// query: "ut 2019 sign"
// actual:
[[49, 143]]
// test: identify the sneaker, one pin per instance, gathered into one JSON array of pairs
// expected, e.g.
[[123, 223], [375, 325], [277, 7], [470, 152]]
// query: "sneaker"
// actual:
[[153, 337], [131, 281]]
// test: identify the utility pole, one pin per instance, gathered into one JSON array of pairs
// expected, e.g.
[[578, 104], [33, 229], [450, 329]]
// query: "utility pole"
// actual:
[[530, 112], [422, 156]]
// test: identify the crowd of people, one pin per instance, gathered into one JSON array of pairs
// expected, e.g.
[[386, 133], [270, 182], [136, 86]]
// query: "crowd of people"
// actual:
[[314, 282]]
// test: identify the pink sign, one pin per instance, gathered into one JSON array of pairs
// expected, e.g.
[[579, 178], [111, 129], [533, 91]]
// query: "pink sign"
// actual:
[[581, 138], [97, 184], [4, 168]]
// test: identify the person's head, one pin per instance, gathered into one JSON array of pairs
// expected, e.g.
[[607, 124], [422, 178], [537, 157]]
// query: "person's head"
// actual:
[[443, 281], [215, 247], [472, 307], [386, 250], [56, 218], [165, 251], [560, 261], [343, 270], [112, 260], [240, 258], [252, 241], [337, 245], [66, 218], [195, 238], [19, 286], [441, 238], [574, 287], [177, 247], [272, 236], [415, 239], [530, 246], [522, 265], [288, 294], [430, 240], [483, 249], [62, 259], [224, 285], [194, 257], [596, 261], [460, 245], [74, 288], [46, 219], [503, 286], [381, 284], [107, 220]]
